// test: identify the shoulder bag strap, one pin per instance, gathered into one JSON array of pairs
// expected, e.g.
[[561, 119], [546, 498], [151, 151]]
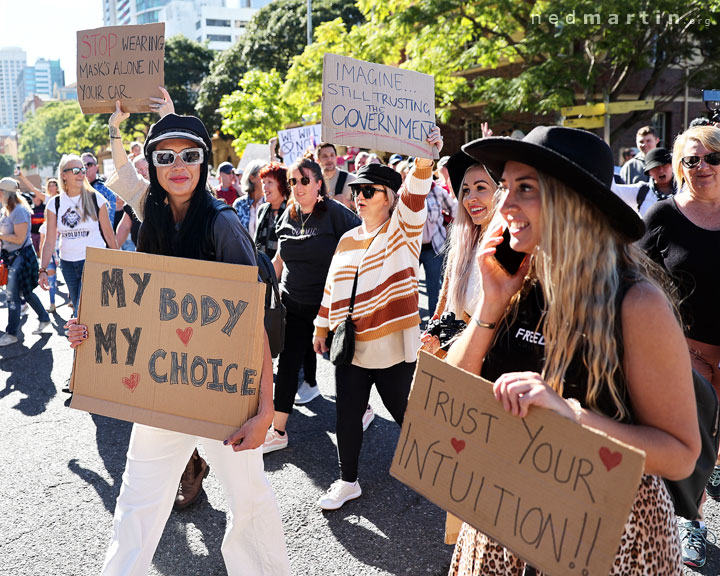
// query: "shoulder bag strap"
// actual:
[[351, 307]]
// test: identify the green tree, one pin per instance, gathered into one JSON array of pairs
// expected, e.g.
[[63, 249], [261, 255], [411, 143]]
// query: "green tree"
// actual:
[[7, 165], [531, 57], [38, 134], [254, 113], [275, 35], [186, 64]]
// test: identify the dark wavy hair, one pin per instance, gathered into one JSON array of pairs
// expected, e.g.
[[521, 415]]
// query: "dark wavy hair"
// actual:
[[158, 227], [277, 172], [306, 165]]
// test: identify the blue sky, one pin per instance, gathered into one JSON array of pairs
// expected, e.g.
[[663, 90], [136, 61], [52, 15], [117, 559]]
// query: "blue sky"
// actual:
[[47, 28]]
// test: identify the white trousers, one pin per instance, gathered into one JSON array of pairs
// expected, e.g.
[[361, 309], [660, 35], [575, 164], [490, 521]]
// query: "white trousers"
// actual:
[[254, 543]]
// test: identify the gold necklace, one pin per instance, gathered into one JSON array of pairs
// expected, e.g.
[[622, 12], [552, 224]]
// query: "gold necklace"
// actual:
[[303, 222]]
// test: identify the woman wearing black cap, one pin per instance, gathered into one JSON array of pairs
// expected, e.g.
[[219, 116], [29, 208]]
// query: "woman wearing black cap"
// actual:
[[588, 290], [375, 266], [181, 218]]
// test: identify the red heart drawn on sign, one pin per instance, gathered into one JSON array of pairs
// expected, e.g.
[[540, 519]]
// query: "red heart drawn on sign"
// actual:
[[132, 382], [185, 335], [610, 458], [459, 445]]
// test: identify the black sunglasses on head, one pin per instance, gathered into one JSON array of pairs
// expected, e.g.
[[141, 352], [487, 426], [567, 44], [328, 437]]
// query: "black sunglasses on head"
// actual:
[[304, 181], [75, 170], [713, 159], [367, 191]]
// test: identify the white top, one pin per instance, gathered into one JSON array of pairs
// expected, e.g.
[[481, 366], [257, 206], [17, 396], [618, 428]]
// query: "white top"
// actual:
[[74, 233]]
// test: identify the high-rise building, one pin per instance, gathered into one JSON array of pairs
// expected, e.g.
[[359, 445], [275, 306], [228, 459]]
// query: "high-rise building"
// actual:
[[12, 63], [220, 22], [42, 79]]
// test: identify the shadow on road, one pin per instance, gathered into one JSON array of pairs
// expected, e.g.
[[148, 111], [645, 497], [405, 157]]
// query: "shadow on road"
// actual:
[[112, 437], [35, 385]]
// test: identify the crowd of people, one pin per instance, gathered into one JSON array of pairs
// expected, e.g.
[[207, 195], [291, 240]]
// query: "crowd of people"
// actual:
[[602, 261]]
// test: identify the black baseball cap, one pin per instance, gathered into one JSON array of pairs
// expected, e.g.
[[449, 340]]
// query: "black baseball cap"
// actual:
[[378, 174], [176, 126], [657, 157], [226, 168]]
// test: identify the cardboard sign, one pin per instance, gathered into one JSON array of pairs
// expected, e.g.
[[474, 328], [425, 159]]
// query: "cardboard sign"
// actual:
[[125, 63], [172, 343], [555, 493], [380, 107], [254, 152], [296, 141]]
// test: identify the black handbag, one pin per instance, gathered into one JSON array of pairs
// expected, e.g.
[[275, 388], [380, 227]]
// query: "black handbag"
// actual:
[[341, 342], [688, 493]]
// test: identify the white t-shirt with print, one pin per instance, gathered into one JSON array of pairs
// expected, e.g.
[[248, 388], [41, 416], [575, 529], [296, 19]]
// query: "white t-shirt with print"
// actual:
[[74, 233]]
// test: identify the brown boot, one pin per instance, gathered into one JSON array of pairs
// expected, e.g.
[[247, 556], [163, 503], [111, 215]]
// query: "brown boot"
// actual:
[[191, 481]]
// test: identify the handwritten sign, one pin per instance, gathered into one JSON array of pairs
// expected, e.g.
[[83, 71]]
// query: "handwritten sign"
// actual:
[[296, 141], [125, 63], [555, 493], [172, 343], [380, 107]]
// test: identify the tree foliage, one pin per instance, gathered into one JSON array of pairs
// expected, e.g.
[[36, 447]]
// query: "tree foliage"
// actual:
[[7, 165], [38, 134], [186, 64], [526, 57], [275, 35], [254, 113]]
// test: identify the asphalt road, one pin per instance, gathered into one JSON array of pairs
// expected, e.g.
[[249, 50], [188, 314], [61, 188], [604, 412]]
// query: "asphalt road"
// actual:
[[60, 473]]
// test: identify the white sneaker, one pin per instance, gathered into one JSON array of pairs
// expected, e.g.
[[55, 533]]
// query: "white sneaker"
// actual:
[[306, 393], [7, 339], [368, 417], [41, 327], [274, 441], [339, 493]]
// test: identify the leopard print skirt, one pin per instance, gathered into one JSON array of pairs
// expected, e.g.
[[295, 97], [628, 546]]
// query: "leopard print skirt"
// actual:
[[650, 543]]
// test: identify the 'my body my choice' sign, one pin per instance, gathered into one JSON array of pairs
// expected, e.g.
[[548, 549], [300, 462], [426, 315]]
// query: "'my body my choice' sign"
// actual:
[[555, 493], [375, 106], [170, 345], [125, 63]]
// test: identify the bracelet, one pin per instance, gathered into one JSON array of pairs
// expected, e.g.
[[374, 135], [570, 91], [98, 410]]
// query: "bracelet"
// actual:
[[115, 137], [576, 408], [489, 325]]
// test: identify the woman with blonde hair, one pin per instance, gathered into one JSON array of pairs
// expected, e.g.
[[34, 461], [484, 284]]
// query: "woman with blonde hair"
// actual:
[[78, 216], [684, 238], [19, 256], [475, 190], [593, 297]]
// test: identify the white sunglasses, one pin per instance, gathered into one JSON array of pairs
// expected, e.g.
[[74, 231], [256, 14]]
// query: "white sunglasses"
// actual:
[[188, 156]]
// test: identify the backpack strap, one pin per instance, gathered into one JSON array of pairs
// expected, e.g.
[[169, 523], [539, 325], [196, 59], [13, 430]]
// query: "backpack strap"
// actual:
[[340, 184], [642, 194]]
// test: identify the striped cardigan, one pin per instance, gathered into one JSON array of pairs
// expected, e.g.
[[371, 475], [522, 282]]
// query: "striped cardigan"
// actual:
[[386, 300]]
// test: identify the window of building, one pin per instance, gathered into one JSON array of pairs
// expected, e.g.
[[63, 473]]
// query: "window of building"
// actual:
[[148, 18], [219, 38], [216, 22], [197, 25], [143, 5], [240, 23], [473, 131]]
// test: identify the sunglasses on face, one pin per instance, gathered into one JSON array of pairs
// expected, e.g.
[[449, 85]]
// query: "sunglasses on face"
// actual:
[[713, 159], [75, 170], [367, 191], [294, 181], [90, 164], [189, 156]]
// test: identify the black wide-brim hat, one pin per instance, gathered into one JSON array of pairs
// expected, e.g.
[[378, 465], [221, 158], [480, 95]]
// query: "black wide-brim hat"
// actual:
[[378, 174], [457, 165], [579, 159]]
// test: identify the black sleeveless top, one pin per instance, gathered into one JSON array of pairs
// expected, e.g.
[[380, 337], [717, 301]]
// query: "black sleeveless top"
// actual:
[[520, 347]]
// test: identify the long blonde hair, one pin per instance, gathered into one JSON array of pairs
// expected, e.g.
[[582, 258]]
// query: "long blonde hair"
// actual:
[[580, 264], [465, 236], [86, 203]]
